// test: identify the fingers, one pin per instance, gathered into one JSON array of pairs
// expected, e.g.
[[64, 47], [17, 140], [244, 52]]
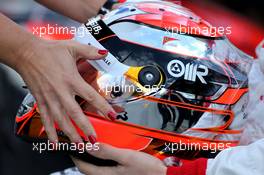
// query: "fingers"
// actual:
[[88, 51], [75, 112], [61, 112], [60, 116], [89, 169], [86, 91], [52, 76], [53, 111], [112, 153], [96, 100], [48, 123]]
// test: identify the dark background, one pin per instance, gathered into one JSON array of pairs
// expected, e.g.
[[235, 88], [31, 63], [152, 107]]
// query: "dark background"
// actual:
[[16, 156], [252, 9]]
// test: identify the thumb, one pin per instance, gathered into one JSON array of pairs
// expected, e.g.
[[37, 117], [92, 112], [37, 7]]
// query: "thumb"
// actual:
[[109, 152], [87, 51]]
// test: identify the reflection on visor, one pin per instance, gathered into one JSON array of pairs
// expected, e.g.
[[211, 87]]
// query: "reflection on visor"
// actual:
[[177, 116], [158, 109], [121, 89]]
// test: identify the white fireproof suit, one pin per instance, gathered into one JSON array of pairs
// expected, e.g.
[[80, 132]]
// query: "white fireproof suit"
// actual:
[[248, 158]]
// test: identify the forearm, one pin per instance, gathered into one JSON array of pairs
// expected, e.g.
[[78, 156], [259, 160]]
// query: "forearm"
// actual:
[[15, 42], [78, 10]]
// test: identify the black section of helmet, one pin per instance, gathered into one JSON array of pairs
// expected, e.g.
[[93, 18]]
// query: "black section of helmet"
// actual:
[[138, 55]]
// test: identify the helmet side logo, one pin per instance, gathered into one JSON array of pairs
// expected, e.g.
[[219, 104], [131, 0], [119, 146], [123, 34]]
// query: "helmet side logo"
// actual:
[[190, 71], [176, 68]]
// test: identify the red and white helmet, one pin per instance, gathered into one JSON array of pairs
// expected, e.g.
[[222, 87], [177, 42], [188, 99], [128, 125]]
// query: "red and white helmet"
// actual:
[[175, 77]]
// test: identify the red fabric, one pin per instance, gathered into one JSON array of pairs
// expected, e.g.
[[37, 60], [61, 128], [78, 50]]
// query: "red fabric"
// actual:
[[196, 167]]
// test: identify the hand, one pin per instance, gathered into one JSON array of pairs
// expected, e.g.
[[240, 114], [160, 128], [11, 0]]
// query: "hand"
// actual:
[[129, 162], [49, 69]]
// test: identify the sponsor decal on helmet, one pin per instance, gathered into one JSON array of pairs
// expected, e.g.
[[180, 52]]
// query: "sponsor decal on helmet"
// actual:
[[107, 61], [190, 71], [123, 116], [93, 26]]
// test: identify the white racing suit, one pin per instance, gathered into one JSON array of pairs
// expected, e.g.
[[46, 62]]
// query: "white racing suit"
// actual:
[[248, 158]]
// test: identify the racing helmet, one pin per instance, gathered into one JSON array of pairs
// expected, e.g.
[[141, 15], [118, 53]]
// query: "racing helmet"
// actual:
[[175, 78]]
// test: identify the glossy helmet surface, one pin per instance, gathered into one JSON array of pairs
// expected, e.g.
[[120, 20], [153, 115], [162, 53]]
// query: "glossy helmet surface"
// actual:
[[172, 86]]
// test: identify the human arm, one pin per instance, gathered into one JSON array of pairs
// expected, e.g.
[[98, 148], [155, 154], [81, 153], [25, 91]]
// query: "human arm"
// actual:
[[50, 72]]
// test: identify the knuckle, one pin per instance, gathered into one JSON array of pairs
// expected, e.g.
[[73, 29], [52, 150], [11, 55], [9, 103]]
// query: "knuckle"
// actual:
[[90, 97], [74, 112], [56, 114], [85, 128], [59, 119]]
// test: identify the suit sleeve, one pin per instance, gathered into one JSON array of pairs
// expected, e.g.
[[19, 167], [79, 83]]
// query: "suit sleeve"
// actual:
[[241, 160]]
